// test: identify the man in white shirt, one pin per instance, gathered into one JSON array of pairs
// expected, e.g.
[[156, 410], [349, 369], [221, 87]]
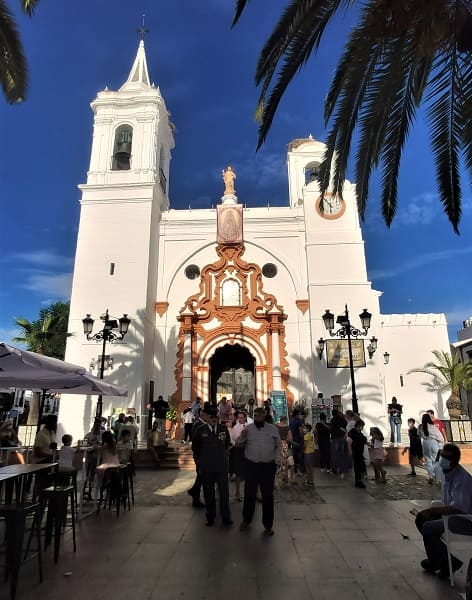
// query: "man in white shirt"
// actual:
[[262, 444]]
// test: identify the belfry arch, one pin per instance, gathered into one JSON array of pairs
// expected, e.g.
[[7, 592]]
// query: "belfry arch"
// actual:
[[223, 315]]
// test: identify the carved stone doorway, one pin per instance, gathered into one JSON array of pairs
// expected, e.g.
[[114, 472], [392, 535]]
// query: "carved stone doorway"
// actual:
[[232, 374]]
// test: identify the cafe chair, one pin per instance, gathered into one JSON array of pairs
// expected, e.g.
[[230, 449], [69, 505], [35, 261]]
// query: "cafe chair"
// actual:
[[56, 500], [457, 544], [15, 516]]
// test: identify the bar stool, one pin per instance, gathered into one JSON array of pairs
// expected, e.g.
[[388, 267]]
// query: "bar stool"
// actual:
[[111, 490], [15, 525], [56, 500]]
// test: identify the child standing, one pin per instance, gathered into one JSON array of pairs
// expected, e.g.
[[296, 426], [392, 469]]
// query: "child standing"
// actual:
[[308, 453], [378, 456], [66, 453], [415, 449]]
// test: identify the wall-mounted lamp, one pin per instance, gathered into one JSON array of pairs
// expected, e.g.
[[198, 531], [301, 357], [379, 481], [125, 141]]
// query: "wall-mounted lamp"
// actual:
[[386, 356], [372, 347], [320, 347]]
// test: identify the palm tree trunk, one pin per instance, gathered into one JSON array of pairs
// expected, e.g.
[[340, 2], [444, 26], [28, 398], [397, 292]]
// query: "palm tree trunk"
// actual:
[[34, 409]]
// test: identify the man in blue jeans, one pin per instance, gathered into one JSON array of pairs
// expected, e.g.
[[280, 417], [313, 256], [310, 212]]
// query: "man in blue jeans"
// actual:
[[395, 417], [456, 500]]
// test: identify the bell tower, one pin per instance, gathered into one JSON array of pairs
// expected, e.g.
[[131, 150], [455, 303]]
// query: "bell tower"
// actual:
[[117, 245]]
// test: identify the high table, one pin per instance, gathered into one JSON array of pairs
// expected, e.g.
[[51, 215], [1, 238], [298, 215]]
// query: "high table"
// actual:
[[16, 478]]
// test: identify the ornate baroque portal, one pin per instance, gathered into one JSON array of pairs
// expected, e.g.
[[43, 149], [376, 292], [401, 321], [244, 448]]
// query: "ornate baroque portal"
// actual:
[[231, 307]]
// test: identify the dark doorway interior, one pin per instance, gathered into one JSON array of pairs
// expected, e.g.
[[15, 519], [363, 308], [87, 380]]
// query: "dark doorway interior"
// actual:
[[232, 370]]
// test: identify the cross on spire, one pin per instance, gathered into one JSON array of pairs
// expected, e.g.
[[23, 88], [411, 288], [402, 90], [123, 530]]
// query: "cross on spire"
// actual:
[[142, 30]]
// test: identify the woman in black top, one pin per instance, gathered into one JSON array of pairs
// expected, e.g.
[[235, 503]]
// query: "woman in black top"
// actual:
[[323, 440], [415, 449]]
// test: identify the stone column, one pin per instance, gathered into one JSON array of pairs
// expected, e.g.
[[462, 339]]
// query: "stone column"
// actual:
[[187, 363], [276, 374]]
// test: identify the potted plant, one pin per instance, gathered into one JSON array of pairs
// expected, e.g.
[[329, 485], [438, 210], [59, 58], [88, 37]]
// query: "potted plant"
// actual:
[[449, 373], [171, 419]]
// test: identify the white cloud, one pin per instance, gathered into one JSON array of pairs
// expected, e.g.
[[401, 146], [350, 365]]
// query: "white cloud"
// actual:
[[53, 285], [419, 210], [419, 261], [422, 209], [42, 258]]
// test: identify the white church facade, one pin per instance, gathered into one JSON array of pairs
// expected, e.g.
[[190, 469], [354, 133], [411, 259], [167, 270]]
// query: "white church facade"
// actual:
[[228, 293]]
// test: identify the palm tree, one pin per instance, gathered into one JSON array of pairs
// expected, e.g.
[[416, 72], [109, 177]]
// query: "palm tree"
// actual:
[[13, 66], [400, 55], [449, 373], [47, 334]]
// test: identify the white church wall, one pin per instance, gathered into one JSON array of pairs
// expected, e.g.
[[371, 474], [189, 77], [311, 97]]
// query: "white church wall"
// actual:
[[410, 339]]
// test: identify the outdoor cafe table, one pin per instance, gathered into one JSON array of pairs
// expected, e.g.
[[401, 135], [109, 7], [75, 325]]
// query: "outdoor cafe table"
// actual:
[[16, 476]]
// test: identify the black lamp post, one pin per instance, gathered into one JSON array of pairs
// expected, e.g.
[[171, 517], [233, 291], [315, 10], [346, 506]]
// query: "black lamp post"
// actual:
[[107, 334], [348, 331]]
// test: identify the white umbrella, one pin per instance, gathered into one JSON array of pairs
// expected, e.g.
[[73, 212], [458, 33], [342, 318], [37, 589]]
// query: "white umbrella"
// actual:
[[31, 371]]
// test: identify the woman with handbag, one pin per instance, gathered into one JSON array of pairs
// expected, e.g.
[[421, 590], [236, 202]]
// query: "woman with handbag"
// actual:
[[431, 438]]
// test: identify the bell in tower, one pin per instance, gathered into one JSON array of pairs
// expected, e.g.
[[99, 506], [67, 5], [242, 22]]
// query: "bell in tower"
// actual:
[[122, 149]]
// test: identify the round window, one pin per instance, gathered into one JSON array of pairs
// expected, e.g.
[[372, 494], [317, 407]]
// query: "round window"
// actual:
[[192, 272], [269, 270]]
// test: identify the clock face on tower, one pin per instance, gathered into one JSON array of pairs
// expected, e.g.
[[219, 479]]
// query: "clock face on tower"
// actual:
[[333, 206]]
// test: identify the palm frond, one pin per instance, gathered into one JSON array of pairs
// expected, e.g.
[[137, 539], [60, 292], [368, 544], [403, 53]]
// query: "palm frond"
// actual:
[[297, 34], [347, 93], [465, 124], [29, 6], [240, 6], [13, 68], [445, 113], [400, 115]]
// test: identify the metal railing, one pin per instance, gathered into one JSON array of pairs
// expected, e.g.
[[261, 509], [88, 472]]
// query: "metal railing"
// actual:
[[459, 431]]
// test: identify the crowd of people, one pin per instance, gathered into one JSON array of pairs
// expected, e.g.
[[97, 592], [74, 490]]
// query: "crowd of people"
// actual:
[[229, 445]]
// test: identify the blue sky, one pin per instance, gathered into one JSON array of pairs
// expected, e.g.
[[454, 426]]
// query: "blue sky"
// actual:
[[205, 72]]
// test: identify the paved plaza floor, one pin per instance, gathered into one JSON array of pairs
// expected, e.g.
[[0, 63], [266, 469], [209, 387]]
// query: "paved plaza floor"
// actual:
[[331, 542]]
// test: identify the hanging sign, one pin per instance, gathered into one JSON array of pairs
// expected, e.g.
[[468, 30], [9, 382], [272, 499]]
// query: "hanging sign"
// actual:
[[337, 354]]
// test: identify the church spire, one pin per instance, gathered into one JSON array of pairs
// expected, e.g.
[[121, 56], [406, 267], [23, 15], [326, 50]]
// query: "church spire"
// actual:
[[138, 76]]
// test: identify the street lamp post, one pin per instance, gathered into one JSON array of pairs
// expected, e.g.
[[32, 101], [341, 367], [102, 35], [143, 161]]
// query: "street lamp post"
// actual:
[[107, 334], [348, 331]]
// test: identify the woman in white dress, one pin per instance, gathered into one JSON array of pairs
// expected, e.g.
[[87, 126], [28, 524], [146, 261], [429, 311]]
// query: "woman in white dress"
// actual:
[[431, 438]]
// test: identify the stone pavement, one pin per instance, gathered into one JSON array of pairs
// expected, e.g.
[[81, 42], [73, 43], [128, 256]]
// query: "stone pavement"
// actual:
[[331, 542]]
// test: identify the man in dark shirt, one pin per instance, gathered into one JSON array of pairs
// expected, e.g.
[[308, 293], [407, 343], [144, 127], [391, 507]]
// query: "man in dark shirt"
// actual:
[[196, 488], [210, 445], [296, 428], [357, 443], [160, 408], [338, 425]]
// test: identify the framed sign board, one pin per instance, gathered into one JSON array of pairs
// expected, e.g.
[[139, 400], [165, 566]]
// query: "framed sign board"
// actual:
[[337, 354]]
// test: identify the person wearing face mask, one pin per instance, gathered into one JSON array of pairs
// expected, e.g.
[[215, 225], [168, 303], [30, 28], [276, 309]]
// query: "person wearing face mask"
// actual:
[[456, 500], [261, 442]]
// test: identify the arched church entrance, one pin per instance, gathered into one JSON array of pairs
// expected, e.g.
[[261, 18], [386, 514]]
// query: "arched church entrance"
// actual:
[[232, 374], [231, 329]]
